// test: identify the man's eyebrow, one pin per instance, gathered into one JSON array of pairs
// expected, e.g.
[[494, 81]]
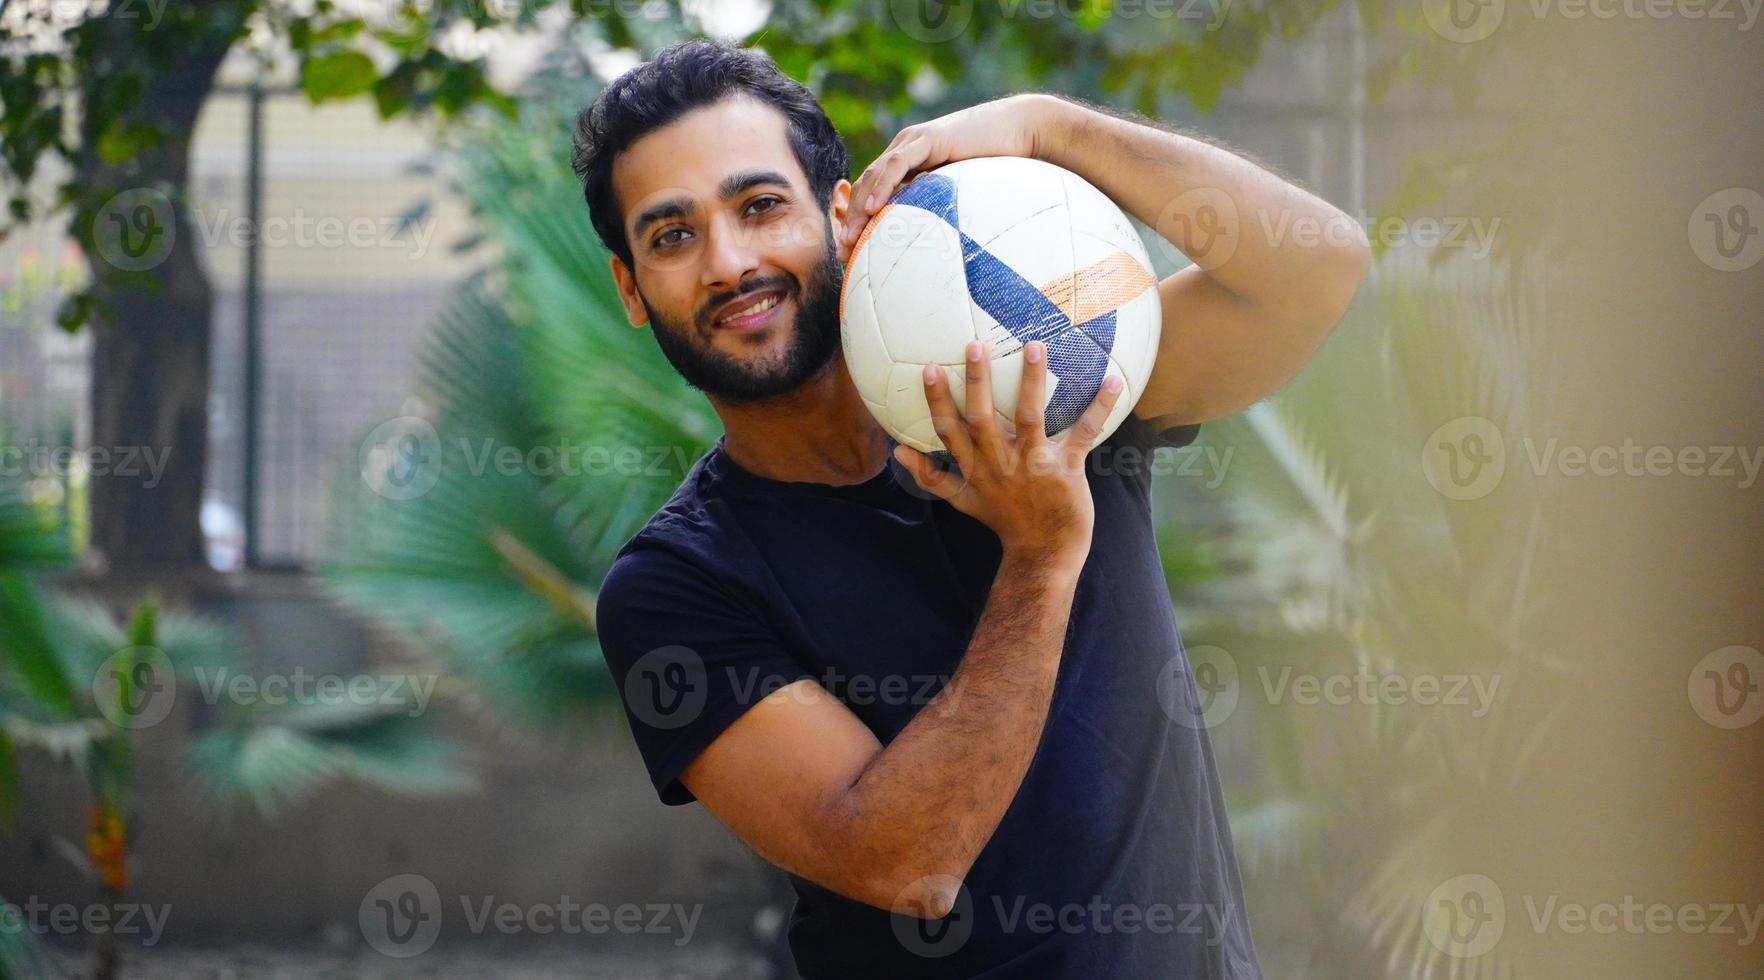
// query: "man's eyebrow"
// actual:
[[732, 185]]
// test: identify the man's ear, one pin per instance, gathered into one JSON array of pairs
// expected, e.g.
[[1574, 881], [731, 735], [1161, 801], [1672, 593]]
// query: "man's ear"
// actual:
[[634, 310], [840, 202]]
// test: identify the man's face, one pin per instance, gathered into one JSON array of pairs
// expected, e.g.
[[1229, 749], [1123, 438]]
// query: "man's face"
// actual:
[[719, 216]]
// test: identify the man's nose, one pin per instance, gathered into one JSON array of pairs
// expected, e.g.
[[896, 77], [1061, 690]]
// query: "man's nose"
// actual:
[[732, 255]]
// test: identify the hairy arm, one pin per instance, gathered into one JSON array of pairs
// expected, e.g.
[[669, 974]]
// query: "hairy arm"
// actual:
[[1274, 265], [808, 786]]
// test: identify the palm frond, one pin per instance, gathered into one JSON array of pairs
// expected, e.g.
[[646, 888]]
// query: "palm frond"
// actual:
[[281, 758]]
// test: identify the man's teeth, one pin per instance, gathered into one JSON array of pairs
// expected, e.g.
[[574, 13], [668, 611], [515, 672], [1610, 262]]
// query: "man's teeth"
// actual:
[[761, 306]]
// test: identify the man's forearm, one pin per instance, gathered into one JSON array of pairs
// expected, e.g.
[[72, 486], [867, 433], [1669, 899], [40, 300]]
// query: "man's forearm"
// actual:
[[1256, 234], [918, 815]]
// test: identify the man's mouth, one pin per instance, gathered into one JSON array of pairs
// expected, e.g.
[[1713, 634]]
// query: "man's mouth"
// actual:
[[753, 311]]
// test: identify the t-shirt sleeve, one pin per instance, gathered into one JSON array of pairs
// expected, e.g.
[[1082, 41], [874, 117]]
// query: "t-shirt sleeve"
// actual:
[[688, 658], [1149, 435]]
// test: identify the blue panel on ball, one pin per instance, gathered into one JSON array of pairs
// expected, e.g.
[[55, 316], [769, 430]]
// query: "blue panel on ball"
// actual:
[[1077, 357]]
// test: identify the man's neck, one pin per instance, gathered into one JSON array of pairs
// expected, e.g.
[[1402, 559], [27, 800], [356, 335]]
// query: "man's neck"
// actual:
[[819, 433]]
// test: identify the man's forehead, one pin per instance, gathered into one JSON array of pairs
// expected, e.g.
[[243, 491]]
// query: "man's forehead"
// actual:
[[696, 153]]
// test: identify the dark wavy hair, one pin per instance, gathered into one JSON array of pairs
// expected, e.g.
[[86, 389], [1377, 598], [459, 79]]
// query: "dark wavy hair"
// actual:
[[681, 78]]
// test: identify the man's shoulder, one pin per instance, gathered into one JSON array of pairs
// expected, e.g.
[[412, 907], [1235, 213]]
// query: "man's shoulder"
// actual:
[[690, 535]]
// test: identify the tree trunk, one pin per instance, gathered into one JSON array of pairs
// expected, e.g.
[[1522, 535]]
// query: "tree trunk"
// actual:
[[152, 302]]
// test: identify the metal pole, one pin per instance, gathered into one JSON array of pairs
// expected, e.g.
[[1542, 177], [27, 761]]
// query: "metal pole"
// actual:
[[252, 319]]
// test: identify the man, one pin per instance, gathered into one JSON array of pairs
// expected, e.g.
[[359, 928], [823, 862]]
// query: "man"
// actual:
[[934, 702]]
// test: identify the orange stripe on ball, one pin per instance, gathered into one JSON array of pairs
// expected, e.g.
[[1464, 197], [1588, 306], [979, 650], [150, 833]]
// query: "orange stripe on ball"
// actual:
[[1098, 288]]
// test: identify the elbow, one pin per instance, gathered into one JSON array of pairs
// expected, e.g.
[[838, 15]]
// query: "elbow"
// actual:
[[923, 896]]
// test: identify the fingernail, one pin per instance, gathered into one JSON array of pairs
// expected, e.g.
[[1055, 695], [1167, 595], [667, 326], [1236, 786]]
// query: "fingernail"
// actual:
[[1112, 384], [973, 350], [1032, 352], [870, 203], [931, 374]]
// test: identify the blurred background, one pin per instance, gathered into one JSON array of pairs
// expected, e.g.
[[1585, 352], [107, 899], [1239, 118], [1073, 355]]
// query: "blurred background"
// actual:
[[320, 424]]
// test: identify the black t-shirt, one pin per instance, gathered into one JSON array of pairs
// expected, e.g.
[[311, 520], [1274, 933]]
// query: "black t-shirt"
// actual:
[[1113, 860]]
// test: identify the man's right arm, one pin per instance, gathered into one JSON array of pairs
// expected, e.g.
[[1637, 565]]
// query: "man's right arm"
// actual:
[[808, 787]]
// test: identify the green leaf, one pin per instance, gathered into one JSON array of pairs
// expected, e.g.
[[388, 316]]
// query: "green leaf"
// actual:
[[342, 75], [393, 93]]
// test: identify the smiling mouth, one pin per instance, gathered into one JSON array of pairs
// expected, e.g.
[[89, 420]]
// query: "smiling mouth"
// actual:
[[756, 310]]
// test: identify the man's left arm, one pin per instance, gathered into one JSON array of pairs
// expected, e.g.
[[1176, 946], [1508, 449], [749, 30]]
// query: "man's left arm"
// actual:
[[1274, 266]]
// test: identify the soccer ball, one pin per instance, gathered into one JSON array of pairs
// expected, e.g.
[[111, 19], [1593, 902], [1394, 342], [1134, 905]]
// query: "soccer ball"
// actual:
[[1003, 250]]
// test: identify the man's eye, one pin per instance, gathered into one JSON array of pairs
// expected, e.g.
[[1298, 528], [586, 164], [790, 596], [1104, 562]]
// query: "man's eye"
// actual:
[[662, 240], [772, 200]]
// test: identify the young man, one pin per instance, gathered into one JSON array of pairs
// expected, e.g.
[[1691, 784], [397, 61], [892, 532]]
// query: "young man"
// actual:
[[938, 709]]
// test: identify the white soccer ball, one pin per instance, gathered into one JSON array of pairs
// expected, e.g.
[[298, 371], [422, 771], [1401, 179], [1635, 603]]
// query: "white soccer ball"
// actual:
[[1003, 250]]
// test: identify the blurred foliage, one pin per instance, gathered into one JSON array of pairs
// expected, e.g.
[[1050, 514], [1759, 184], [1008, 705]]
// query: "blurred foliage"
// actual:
[[1344, 561], [491, 567], [74, 681], [101, 86]]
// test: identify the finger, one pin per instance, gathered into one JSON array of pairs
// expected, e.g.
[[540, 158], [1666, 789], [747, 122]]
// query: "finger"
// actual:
[[1031, 393], [982, 422], [944, 416], [879, 180], [1087, 431], [924, 472]]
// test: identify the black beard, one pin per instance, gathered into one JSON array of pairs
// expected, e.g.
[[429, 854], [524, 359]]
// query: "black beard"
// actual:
[[813, 342]]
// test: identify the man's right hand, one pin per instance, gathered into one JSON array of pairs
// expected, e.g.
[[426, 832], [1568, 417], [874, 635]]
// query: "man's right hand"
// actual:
[[1029, 489]]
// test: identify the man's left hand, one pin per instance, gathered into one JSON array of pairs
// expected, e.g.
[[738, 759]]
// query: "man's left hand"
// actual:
[[1014, 126]]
